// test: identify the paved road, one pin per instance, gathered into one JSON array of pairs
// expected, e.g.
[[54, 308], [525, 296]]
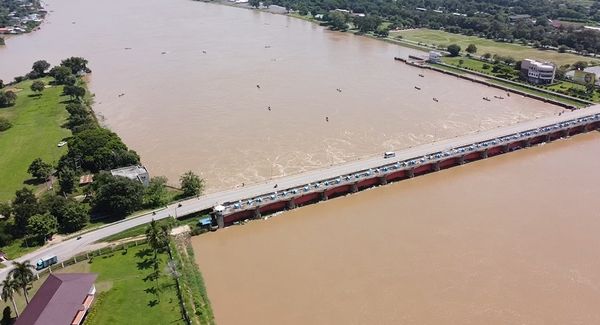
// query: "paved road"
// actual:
[[72, 247]]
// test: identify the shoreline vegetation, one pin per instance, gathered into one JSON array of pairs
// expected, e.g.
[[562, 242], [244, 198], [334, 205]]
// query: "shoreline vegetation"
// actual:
[[51, 138], [425, 40]]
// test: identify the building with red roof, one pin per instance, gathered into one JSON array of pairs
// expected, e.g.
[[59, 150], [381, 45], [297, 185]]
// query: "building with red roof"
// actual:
[[63, 299]]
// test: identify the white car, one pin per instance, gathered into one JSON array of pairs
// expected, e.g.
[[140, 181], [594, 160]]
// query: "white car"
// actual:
[[62, 143]]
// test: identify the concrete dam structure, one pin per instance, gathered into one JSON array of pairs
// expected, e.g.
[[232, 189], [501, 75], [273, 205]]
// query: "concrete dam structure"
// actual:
[[409, 163]]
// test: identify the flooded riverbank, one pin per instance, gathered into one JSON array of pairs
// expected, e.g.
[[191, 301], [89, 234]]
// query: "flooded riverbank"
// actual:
[[241, 96], [508, 240]]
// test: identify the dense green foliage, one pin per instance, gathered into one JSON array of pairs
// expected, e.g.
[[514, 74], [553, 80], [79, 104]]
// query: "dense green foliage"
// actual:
[[97, 149], [39, 169], [116, 195], [191, 184], [41, 227], [7, 98], [4, 124], [156, 194], [494, 19]]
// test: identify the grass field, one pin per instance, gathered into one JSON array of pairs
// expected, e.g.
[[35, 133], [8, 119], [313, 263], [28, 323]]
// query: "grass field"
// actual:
[[517, 51], [36, 130], [124, 296]]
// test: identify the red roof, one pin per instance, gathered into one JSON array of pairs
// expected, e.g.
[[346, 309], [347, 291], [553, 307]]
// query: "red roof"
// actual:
[[58, 300]]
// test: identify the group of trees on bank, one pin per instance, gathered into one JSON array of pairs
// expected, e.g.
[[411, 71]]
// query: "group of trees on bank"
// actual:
[[489, 18], [91, 149], [36, 220]]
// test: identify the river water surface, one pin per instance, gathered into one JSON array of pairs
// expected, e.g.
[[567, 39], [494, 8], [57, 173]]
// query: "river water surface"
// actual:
[[188, 72], [508, 240]]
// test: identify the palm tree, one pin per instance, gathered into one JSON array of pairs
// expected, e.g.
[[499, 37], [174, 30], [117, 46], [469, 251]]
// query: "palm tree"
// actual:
[[22, 273], [8, 292]]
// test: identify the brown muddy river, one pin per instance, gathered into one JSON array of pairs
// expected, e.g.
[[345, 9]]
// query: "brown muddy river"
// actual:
[[509, 240], [189, 72]]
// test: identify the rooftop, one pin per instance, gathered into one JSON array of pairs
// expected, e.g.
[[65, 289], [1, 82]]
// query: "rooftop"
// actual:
[[59, 299]]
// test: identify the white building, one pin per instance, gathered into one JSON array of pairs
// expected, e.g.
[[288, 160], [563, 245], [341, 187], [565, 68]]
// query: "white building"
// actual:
[[435, 57], [139, 173], [537, 72]]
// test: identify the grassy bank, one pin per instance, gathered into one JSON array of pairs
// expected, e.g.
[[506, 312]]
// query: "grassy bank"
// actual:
[[35, 133], [190, 220], [124, 294], [192, 285], [517, 51]]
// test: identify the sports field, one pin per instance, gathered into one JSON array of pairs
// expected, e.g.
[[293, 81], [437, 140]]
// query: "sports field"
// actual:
[[517, 51]]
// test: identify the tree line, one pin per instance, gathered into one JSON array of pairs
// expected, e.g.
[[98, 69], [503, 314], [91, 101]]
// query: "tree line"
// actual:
[[493, 19]]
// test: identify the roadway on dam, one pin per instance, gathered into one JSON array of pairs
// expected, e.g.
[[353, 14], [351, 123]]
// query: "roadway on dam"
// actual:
[[72, 247]]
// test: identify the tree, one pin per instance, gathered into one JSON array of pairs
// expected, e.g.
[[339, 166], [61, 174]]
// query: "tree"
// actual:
[[337, 20], [7, 98], [254, 3], [454, 49], [580, 65], [60, 74], [116, 195], [1, 84], [22, 273], [156, 192], [40, 67], [367, 23], [487, 56], [98, 149], [158, 236], [39, 169], [74, 218], [38, 86], [42, 226], [472, 49], [9, 286], [5, 210], [24, 205], [66, 180], [4, 124], [191, 184], [76, 65], [75, 92]]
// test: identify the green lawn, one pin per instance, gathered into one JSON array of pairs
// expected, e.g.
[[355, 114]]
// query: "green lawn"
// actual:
[[124, 296], [35, 133], [539, 93], [517, 51]]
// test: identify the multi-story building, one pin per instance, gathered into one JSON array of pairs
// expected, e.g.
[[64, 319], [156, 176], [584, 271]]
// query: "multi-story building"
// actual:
[[537, 72]]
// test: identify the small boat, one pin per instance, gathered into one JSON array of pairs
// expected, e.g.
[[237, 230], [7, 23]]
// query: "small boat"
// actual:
[[417, 88]]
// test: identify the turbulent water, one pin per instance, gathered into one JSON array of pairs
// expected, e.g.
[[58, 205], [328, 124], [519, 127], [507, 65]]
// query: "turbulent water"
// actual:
[[179, 81], [508, 240]]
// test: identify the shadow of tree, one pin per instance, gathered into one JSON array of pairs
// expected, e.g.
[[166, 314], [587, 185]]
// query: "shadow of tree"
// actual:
[[143, 253], [152, 303], [33, 181], [151, 290], [6, 316], [145, 264]]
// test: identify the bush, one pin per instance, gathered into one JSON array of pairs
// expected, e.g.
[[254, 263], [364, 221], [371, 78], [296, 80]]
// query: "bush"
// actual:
[[4, 124]]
